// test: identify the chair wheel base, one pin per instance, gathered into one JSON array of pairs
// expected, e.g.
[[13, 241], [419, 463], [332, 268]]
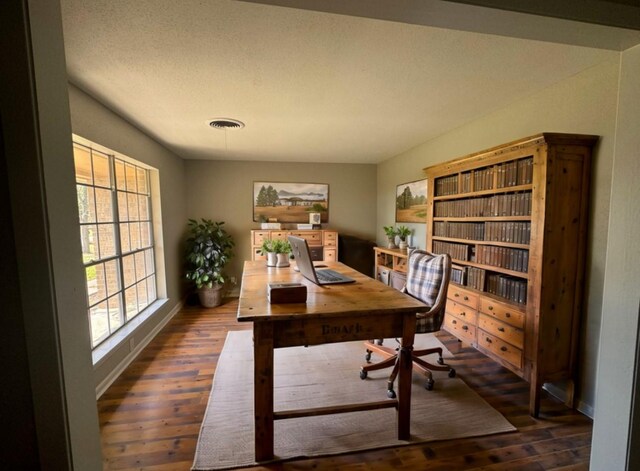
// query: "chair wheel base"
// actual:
[[391, 394], [367, 356], [363, 374], [440, 361], [452, 373], [428, 385]]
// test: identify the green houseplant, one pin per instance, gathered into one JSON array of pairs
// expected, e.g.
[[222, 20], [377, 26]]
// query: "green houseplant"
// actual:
[[277, 252], [403, 233], [391, 233], [208, 250]]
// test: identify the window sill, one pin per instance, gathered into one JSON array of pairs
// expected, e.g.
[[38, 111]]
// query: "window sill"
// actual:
[[103, 351]]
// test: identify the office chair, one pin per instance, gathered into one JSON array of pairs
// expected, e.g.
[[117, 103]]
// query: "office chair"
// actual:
[[427, 280]]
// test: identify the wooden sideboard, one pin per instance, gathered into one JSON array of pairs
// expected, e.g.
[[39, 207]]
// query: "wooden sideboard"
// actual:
[[323, 243]]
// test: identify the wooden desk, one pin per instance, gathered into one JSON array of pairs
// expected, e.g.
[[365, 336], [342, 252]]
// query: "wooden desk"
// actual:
[[362, 310]]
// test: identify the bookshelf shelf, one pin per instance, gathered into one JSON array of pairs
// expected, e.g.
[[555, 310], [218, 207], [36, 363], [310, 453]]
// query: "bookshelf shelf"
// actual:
[[514, 220]]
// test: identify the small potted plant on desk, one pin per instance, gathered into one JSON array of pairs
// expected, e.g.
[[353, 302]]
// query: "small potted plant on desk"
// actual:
[[391, 233], [208, 250], [277, 252], [403, 233]]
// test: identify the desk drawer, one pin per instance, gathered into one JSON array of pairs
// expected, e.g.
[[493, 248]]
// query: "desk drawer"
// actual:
[[463, 330], [462, 296], [500, 349], [501, 330], [502, 312], [329, 254]]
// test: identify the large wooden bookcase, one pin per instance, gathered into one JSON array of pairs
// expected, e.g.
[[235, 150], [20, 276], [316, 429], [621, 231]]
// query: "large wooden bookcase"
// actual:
[[514, 220]]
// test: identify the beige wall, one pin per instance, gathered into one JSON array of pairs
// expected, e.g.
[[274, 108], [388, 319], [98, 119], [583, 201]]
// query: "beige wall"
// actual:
[[617, 358], [223, 191], [586, 104], [93, 121]]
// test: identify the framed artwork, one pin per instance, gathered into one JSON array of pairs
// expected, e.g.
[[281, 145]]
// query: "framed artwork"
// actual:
[[290, 202], [411, 201]]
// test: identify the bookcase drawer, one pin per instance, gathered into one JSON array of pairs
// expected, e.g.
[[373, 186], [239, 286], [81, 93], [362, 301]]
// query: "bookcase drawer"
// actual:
[[502, 312], [501, 330], [463, 330], [462, 296], [500, 348], [462, 312]]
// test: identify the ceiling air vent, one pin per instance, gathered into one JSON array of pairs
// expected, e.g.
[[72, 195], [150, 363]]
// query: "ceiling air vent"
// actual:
[[226, 123]]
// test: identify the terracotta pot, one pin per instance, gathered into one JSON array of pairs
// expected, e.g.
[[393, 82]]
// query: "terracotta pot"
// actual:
[[210, 297]]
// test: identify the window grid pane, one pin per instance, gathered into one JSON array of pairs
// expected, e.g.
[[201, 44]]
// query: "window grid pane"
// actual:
[[117, 239]]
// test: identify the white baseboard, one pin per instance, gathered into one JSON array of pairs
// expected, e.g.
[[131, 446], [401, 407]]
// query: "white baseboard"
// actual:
[[561, 394], [126, 361]]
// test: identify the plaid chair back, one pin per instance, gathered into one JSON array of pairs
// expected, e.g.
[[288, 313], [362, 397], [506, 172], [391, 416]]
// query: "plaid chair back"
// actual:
[[425, 278]]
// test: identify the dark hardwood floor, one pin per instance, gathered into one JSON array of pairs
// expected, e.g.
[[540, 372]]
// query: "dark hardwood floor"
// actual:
[[150, 417]]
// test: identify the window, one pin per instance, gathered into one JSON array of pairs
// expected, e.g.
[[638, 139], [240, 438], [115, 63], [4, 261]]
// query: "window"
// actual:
[[116, 230]]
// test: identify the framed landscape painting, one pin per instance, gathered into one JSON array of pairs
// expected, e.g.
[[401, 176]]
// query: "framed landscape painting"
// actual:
[[411, 201], [290, 202]]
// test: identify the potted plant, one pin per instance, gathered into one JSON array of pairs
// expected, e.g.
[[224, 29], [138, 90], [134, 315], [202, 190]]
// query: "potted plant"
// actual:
[[277, 252], [403, 233], [208, 250], [391, 233]]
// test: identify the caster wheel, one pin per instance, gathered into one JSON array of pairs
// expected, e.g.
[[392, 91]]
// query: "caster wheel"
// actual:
[[428, 385], [367, 356], [391, 394], [452, 373], [363, 374], [440, 361], [379, 342]]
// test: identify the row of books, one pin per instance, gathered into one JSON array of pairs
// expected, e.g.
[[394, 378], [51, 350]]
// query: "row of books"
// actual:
[[508, 287], [517, 172], [513, 232], [509, 204], [456, 251], [513, 173], [447, 185], [459, 230], [505, 257]]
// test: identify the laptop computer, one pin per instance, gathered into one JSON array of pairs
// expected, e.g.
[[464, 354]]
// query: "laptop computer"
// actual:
[[300, 250]]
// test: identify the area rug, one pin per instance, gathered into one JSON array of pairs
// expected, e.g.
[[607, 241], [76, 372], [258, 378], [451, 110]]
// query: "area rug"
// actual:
[[329, 375]]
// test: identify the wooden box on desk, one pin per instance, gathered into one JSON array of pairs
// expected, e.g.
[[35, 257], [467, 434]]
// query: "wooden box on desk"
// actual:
[[283, 293]]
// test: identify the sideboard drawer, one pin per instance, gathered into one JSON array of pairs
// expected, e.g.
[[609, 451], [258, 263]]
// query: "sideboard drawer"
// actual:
[[330, 239], [313, 237]]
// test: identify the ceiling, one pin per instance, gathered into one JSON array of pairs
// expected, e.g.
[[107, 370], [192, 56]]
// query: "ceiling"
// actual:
[[310, 86]]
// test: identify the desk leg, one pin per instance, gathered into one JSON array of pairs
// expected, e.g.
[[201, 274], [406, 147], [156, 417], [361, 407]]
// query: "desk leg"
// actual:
[[404, 377], [263, 389]]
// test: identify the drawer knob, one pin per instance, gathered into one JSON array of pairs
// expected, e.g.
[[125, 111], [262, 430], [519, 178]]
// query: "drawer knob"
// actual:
[[507, 314], [466, 298], [454, 321], [491, 308], [504, 349], [500, 329], [463, 314], [489, 340], [464, 327], [456, 295]]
